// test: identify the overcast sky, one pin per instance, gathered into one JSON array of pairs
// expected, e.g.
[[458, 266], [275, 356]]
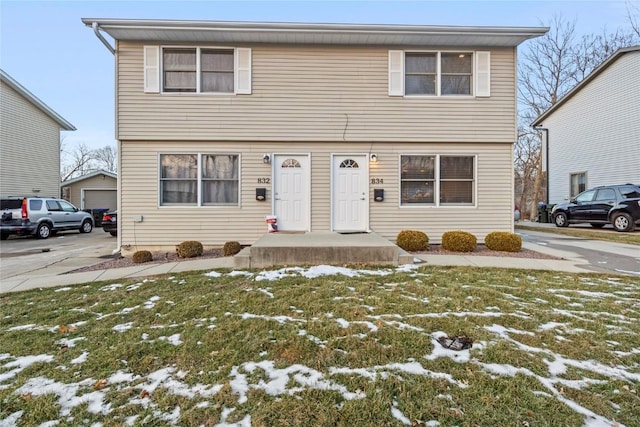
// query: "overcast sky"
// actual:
[[47, 49]]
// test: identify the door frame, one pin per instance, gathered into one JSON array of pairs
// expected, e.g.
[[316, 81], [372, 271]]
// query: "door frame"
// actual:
[[365, 169], [274, 178]]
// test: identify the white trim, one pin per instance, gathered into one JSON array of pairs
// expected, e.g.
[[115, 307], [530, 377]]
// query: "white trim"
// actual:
[[367, 191], [438, 87], [242, 62], [236, 68], [198, 203], [436, 187], [273, 183], [152, 68], [396, 73], [482, 71]]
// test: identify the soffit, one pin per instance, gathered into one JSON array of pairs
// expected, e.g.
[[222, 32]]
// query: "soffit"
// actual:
[[318, 34]]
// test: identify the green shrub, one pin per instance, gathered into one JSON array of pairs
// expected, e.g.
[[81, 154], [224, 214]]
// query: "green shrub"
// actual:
[[412, 240], [459, 241], [142, 256], [231, 248], [503, 241], [189, 249]]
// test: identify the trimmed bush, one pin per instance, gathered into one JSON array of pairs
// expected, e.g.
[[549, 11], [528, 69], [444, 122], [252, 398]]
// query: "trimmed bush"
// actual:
[[141, 256], [189, 249], [231, 248], [503, 241], [412, 240], [459, 241]]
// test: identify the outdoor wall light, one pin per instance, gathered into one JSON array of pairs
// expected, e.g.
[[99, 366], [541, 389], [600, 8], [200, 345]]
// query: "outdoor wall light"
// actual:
[[266, 159], [261, 194], [373, 157], [378, 194]]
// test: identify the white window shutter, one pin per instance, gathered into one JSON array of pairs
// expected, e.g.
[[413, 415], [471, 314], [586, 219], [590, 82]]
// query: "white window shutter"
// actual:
[[152, 69], [396, 73], [483, 74], [242, 72]]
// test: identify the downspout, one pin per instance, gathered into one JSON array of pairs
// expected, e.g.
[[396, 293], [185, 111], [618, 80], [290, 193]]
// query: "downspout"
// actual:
[[96, 30], [546, 157]]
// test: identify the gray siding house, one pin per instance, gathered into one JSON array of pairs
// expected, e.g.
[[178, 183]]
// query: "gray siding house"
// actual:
[[329, 127], [594, 130], [29, 142]]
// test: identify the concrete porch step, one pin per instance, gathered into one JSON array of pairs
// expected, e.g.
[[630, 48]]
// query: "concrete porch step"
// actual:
[[321, 248]]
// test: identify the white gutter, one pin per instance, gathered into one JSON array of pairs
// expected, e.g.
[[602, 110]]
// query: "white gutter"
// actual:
[[96, 30]]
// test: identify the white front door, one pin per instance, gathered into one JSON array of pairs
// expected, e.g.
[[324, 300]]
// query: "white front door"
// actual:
[[291, 191], [350, 200]]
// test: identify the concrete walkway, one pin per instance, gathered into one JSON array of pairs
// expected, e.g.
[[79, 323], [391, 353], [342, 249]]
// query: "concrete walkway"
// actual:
[[55, 275]]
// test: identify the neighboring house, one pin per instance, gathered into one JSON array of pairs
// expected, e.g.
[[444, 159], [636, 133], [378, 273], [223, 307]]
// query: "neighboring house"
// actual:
[[29, 142], [594, 130], [95, 190], [330, 127]]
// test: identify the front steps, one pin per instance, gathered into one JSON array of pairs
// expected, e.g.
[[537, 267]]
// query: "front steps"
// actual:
[[321, 248]]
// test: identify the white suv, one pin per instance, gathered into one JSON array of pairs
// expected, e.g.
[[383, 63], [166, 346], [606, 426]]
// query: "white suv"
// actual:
[[41, 216]]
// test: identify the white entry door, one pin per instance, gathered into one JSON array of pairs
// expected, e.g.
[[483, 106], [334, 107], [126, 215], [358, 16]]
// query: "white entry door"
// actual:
[[291, 191], [350, 200]]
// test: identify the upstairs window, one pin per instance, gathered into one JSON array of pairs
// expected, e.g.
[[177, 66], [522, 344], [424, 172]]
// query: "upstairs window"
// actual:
[[457, 73], [197, 70]]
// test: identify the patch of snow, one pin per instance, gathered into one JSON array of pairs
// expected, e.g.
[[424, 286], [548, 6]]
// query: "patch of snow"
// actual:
[[123, 327], [280, 319], [266, 292], [28, 327], [213, 274], [173, 339], [111, 287], [69, 342], [62, 289], [11, 420], [81, 359], [398, 415]]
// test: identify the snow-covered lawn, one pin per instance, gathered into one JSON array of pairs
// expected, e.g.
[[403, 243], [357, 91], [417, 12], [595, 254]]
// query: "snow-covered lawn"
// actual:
[[325, 346]]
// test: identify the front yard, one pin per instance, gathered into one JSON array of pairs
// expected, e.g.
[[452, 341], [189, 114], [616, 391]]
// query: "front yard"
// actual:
[[325, 346]]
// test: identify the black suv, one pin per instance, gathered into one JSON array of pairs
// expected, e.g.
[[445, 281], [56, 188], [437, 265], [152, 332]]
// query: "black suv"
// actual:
[[615, 204]]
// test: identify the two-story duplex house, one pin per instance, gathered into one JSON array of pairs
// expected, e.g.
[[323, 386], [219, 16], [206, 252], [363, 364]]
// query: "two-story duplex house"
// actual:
[[329, 127], [29, 142], [593, 132]]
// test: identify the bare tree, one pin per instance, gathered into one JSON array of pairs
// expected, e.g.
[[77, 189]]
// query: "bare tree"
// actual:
[[546, 73], [633, 14], [83, 160], [77, 162], [550, 67], [107, 158]]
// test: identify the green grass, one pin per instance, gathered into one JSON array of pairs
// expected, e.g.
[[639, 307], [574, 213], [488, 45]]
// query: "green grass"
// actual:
[[196, 350], [606, 235]]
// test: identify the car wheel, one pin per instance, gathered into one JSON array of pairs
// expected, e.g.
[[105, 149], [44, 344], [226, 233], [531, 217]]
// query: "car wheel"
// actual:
[[86, 226], [622, 222], [43, 231], [596, 225], [561, 220], [113, 233]]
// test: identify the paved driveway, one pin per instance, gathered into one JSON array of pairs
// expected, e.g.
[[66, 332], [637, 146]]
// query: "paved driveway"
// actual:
[[63, 252]]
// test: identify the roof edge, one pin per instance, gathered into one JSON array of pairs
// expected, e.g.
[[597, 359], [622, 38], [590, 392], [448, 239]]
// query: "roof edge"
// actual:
[[304, 26], [64, 124], [87, 176], [592, 75]]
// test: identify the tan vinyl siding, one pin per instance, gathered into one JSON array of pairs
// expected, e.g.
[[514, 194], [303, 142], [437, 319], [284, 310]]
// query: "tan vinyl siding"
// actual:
[[315, 93], [29, 148], [95, 182], [165, 226]]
